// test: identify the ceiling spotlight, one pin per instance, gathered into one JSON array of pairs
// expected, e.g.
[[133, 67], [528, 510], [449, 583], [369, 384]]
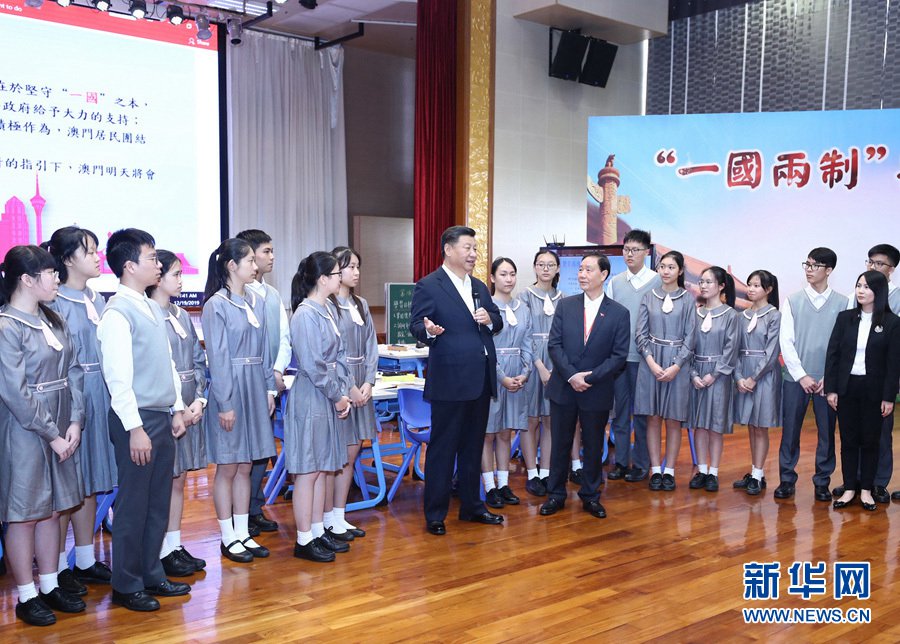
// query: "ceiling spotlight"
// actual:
[[175, 14], [34, 4], [137, 8], [101, 5], [235, 29], [308, 4], [63, 3], [203, 31], [280, 1]]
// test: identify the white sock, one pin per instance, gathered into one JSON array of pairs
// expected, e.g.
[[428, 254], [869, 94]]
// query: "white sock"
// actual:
[[241, 526], [543, 473], [656, 469], [328, 519], [304, 538], [339, 517], [26, 592], [174, 539], [502, 478], [757, 473], [318, 530], [488, 478], [229, 536], [670, 471], [84, 556], [532, 474], [63, 561], [714, 471], [704, 468], [337, 527], [165, 549], [576, 464], [48, 582]]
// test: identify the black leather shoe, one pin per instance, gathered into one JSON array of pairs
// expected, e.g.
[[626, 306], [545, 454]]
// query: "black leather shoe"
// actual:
[[139, 601], [881, 495], [436, 528], [253, 530], [66, 580], [238, 557], [167, 588], [895, 495], [822, 493], [551, 506], [636, 475], [576, 476], [358, 533], [175, 566], [871, 507], [328, 541], [492, 499], [197, 563], [263, 523], [837, 505], [784, 491], [546, 482], [313, 551], [346, 535], [655, 482], [535, 488], [487, 518], [753, 487], [35, 612], [838, 491], [258, 551], [744, 482], [617, 472], [698, 481], [668, 483], [58, 599], [595, 509], [98, 573], [509, 498], [712, 483]]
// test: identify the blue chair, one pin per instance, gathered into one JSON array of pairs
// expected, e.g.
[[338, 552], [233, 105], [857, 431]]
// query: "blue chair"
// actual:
[[415, 428], [105, 501], [278, 473]]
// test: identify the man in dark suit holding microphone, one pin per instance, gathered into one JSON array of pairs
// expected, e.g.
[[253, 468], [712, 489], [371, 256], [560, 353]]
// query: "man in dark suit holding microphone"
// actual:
[[588, 345], [454, 315]]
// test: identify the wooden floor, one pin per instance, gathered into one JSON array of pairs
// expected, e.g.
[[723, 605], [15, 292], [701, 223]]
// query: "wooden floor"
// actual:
[[663, 565]]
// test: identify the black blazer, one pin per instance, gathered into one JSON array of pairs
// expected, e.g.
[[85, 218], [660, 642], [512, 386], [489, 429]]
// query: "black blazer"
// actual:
[[456, 358], [882, 355], [604, 354]]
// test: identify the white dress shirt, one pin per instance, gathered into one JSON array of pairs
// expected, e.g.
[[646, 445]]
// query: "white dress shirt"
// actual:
[[591, 308], [463, 286], [118, 366], [635, 280], [862, 338], [283, 359], [786, 335]]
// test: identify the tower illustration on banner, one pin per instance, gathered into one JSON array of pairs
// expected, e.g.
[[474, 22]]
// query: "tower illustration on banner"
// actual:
[[15, 231]]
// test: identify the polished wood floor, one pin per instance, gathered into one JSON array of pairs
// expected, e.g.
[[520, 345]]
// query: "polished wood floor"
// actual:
[[665, 566]]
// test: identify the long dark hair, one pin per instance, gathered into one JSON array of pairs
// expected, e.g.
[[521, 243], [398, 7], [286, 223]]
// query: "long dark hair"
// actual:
[[27, 260], [767, 280], [679, 259], [556, 257], [722, 277], [63, 245], [344, 255], [217, 278], [496, 264], [167, 258], [878, 284], [309, 271]]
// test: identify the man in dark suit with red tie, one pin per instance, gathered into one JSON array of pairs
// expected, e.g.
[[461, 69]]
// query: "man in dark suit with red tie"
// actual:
[[588, 345], [454, 315]]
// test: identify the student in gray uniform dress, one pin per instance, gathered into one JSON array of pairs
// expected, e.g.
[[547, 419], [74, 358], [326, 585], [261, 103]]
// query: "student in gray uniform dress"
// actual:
[[508, 411], [715, 354], [241, 392], [664, 336], [41, 411], [541, 299], [77, 260], [361, 348], [314, 444], [757, 374], [190, 448]]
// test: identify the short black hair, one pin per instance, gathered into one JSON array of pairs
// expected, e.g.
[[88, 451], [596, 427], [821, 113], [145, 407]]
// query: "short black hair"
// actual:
[[254, 237], [452, 235], [125, 246], [602, 260], [640, 236], [887, 250], [824, 256]]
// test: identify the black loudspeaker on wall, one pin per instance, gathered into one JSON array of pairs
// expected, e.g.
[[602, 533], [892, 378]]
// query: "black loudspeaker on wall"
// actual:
[[566, 61], [599, 62], [566, 64]]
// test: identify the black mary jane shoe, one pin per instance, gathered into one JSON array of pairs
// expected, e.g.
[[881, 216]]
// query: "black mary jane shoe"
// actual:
[[258, 551], [35, 612], [871, 507], [238, 557]]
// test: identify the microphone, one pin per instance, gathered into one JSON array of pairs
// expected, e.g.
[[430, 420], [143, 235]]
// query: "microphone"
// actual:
[[476, 299]]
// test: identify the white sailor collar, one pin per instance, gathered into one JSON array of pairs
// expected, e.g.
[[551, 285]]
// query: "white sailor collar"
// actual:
[[680, 292], [719, 311], [541, 294], [748, 313]]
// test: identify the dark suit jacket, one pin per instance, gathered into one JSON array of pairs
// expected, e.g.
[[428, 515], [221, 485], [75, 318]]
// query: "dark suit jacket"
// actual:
[[882, 355], [456, 358], [604, 354]]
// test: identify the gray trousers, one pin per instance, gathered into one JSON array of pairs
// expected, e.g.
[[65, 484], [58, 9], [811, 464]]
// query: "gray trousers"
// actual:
[[621, 425], [794, 403], [256, 488]]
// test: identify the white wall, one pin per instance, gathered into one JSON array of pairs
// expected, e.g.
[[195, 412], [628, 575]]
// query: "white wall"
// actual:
[[540, 138]]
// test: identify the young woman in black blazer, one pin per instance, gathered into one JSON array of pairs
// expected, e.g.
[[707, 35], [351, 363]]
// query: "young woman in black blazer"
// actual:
[[862, 371]]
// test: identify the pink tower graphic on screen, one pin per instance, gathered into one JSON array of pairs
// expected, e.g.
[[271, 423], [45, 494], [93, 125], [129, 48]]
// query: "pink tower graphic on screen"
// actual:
[[15, 231]]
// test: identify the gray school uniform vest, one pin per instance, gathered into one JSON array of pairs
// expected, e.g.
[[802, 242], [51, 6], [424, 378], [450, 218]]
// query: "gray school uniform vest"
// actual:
[[812, 329], [629, 297], [273, 307], [153, 383]]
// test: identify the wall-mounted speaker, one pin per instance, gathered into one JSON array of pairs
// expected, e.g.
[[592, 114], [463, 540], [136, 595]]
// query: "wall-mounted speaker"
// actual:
[[600, 58], [566, 62]]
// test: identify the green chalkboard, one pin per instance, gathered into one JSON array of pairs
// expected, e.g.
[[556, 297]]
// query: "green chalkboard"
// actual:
[[397, 302]]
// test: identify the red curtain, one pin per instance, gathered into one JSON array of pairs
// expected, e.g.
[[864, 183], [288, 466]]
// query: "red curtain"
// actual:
[[435, 130]]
